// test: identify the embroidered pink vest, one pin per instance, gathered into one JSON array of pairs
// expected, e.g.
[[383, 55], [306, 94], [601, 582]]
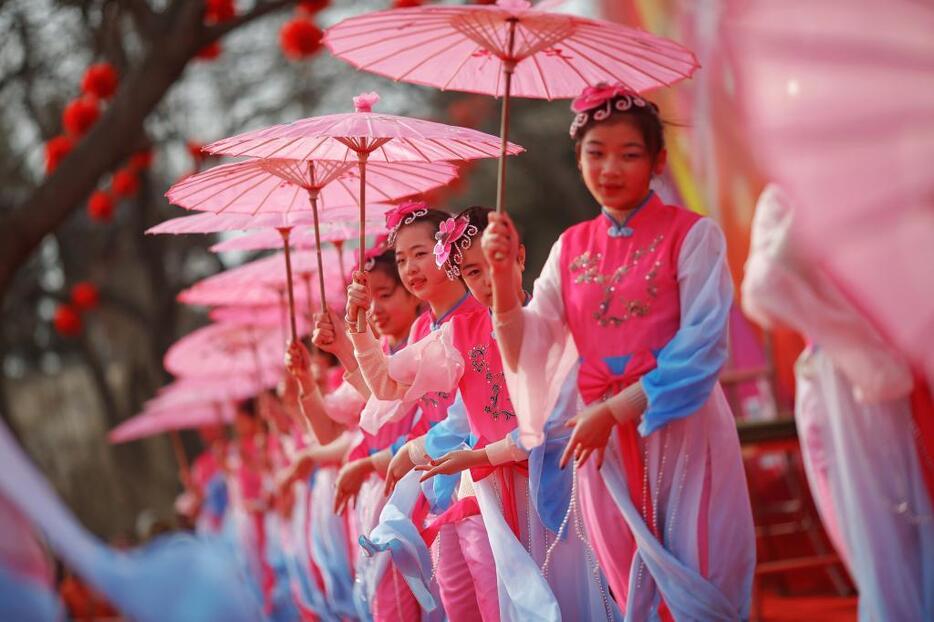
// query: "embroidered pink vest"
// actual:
[[483, 385], [621, 293], [435, 405]]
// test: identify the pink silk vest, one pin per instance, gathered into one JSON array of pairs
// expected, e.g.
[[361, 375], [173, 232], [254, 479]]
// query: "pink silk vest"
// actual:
[[483, 385], [435, 405], [621, 294]]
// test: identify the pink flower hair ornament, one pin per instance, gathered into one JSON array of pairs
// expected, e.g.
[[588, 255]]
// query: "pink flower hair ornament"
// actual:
[[404, 214], [364, 102], [454, 236], [599, 102]]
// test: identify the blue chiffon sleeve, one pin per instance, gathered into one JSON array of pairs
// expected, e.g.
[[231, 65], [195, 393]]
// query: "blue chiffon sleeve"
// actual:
[[689, 364], [453, 432]]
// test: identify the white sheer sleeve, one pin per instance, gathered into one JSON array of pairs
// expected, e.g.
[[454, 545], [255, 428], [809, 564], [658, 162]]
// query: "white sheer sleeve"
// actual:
[[538, 339]]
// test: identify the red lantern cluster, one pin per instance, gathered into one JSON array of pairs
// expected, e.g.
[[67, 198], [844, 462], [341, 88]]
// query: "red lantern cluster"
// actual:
[[99, 83], [124, 182], [300, 38], [67, 319]]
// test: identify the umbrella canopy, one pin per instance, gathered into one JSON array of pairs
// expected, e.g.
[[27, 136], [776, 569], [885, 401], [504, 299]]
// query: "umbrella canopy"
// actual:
[[152, 422], [839, 102], [301, 238], [273, 185], [216, 223], [261, 282], [208, 389], [467, 48], [382, 137], [219, 350]]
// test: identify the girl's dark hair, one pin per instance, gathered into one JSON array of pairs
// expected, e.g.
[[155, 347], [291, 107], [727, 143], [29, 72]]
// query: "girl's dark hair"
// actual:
[[247, 407], [645, 118], [329, 356], [385, 263], [433, 217], [478, 216]]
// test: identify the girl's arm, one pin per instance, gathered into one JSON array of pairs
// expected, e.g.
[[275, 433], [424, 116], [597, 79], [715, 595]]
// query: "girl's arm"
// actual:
[[688, 366], [310, 401]]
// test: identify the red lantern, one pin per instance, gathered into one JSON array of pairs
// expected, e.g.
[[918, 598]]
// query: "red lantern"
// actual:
[[101, 206], [56, 150], [209, 52], [219, 10], [141, 160], [125, 183], [406, 4], [312, 6], [300, 38], [84, 296], [79, 115], [67, 321], [100, 81]]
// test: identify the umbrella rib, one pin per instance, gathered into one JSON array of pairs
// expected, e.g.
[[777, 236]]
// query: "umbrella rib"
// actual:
[[593, 62], [403, 75], [219, 190], [633, 49]]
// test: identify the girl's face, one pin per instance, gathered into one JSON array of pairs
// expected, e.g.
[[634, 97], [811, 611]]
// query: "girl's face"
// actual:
[[393, 308], [615, 164], [320, 366], [476, 272], [416, 261]]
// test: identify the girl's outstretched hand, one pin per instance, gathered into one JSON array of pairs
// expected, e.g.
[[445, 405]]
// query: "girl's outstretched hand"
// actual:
[[454, 462], [349, 480], [500, 243], [399, 467], [592, 427]]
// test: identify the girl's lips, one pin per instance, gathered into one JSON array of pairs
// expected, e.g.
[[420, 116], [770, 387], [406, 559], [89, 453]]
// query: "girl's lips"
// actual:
[[417, 283]]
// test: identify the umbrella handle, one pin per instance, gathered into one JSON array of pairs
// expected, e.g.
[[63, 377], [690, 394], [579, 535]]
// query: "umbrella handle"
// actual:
[[363, 156], [313, 197], [285, 231], [509, 66]]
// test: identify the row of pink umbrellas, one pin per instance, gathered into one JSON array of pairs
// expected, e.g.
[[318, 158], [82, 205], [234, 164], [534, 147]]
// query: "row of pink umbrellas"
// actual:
[[323, 171]]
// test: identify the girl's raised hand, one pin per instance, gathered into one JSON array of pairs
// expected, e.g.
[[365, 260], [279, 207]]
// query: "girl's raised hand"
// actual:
[[330, 334], [297, 359], [500, 243], [358, 298], [349, 480]]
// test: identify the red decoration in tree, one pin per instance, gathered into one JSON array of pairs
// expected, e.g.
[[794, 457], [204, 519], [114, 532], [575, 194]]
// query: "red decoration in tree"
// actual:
[[209, 52], [125, 183], [84, 296], [300, 38], [406, 4], [100, 80], [79, 115], [313, 6], [219, 10], [67, 321], [56, 150], [141, 160], [101, 206]]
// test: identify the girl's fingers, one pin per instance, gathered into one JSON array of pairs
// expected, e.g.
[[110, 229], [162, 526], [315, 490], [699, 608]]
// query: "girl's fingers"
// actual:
[[583, 456], [435, 471], [568, 452]]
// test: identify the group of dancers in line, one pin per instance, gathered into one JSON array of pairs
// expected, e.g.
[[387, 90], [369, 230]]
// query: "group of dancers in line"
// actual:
[[489, 454]]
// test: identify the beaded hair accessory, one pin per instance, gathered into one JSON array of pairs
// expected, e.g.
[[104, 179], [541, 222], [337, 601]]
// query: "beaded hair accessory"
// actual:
[[600, 101], [454, 237], [404, 214]]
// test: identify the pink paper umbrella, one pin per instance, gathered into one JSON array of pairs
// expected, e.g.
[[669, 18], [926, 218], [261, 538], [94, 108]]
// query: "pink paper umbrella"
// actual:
[[151, 422], [217, 223], [282, 185], [301, 238], [199, 390], [839, 100], [218, 350], [362, 136], [260, 282], [507, 49]]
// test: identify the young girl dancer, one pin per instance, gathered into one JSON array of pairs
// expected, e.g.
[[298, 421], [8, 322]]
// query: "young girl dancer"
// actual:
[[463, 356], [465, 567], [640, 295], [380, 588]]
